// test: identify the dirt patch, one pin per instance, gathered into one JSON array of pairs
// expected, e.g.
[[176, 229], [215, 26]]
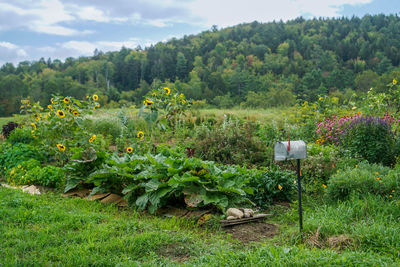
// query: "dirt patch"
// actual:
[[252, 232], [176, 252]]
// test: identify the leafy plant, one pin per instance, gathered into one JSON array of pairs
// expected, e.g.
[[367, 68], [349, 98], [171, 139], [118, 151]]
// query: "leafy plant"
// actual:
[[152, 181], [31, 172], [230, 142], [370, 138], [20, 135], [363, 179], [273, 184], [11, 155]]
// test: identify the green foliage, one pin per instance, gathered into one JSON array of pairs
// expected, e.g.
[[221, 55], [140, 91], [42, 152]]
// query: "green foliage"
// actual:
[[162, 107], [60, 126], [17, 175], [83, 163], [151, 182], [371, 139], [20, 135], [107, 126], [230, 142], [273, 184], [12, 155], [32, 173], [362, 180]]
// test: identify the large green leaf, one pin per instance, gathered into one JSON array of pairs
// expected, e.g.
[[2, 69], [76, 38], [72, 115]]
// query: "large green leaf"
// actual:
[[152, 185], [141, 201]]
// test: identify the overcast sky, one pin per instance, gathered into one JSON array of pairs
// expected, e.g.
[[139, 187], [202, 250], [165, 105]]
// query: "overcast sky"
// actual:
[[31, 29]]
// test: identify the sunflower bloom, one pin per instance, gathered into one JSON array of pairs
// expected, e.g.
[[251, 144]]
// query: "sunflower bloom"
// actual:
[[154, 93], [97, 106], [50, 107], [75, 113], [129, 150], [34, 126], [323, 185], [66, 100], [167, 90], [92, 138], [95, 97], [280, 187], [60, 147], [148, 102], [394, 82], [60, 113], [37, 118], [140, 135]]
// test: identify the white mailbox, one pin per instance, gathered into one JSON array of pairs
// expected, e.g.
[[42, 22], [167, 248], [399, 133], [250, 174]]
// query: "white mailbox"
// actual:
[[290, 150]]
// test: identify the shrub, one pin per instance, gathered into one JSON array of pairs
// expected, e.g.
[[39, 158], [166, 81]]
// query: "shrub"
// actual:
[[17, 175], [230, 142], [20, 135], [106, 126], [271, 185], [362, 180], [31, 172], [370, 138], [12, 155]]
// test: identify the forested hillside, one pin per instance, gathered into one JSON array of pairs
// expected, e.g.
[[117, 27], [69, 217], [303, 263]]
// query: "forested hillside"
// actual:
[[256, 65]]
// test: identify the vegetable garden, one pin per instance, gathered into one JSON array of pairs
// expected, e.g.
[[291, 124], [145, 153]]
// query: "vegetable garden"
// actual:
[[171, 154]]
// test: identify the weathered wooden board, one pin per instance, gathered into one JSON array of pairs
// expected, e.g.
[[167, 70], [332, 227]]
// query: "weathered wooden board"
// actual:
[[256, 217]]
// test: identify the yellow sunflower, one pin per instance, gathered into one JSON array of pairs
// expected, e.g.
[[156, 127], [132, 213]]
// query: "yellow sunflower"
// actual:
[[75, 113], [60, 113], [140, 135], [167, 90], [50, 107], [95, 97], [97, 106], [60, 147], [66, 100], [52, 102], [34, 126], [129, 150], [92, 138], [148, 102], [394, 82], [37, 118]]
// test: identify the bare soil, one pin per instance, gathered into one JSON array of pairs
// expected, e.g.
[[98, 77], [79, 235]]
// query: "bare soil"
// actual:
[[252, 232]]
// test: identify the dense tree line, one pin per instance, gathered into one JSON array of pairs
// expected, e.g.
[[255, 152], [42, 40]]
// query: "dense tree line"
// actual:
[[256, 64]]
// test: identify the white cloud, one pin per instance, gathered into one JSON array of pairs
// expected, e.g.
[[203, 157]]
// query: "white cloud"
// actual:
[[45, 16], [92, 13], [231, 12], [10, 52], [8, 45]]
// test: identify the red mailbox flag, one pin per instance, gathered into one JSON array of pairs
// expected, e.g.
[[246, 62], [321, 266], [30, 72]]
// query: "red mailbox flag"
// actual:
[[289, 144]]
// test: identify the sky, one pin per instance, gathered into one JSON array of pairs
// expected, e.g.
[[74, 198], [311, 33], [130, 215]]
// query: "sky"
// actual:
[[57, 29]]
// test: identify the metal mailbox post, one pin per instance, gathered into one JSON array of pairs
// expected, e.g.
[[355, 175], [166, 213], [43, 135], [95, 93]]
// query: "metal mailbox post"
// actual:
[[293, 150]]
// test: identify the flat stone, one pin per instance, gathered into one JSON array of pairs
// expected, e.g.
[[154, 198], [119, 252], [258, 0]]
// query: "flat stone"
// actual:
[[77, 193], [33, 190], [112, 198], [99, 196]]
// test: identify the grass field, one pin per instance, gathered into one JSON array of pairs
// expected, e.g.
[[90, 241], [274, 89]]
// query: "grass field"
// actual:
[[43, 230]]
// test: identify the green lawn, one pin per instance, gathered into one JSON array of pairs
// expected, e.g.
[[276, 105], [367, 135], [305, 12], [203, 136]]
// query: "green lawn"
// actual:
[[44, 230]]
